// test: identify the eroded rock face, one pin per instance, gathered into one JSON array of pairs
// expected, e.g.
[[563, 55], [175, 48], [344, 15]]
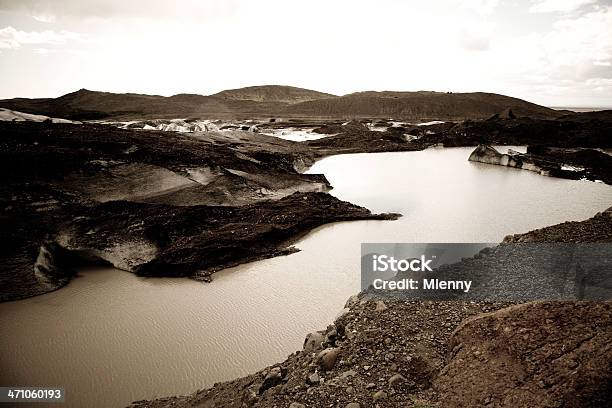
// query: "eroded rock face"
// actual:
[[49, 270], [195, 241], [542, 354], [489, 155], [574, 163]]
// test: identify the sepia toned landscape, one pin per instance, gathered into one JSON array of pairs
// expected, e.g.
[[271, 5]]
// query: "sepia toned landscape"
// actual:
[[205, 249]]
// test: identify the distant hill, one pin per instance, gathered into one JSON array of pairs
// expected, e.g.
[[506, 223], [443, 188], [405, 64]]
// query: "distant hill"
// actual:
[[282, 101], [85, 104], [273, 93], [421, 105]]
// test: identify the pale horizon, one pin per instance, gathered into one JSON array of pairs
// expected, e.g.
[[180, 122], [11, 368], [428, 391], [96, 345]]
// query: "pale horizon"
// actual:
[[553, 53]]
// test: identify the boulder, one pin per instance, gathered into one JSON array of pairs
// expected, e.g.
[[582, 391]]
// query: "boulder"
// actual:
[[328, 357], [272, 379], [313, 341]]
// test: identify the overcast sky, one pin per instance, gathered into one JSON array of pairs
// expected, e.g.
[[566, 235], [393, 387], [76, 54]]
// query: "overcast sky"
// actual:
[[552, 52]]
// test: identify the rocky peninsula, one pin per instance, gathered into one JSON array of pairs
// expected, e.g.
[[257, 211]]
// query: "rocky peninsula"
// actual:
[[154, 203]]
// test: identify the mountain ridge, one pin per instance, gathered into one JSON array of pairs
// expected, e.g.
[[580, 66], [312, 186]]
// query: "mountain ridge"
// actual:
[[279, 101]]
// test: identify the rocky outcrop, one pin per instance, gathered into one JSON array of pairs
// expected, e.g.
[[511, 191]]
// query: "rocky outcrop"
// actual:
[[489, 155], [575, 164], [347, 127], [195, 241], [505, 114], [540, 354], [154, 203]]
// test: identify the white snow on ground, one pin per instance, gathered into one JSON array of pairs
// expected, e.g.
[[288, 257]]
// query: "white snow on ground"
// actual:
[[207, 125], [182, 125], [375, 127], [8, 115], [293, 134], [567, 167], [433, 122]]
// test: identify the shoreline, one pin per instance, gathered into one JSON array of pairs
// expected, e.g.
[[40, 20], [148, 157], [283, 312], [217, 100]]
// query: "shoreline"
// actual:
[[416, 349]]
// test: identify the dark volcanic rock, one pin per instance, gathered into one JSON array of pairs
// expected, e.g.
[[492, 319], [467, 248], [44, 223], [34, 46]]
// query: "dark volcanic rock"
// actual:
[[573, 131], [162, 240], [349, 127], [156, 203], [506, 114], [359, 139]]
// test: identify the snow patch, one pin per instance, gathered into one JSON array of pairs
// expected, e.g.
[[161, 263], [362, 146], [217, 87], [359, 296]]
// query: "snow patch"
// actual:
[[433, 122], [568, 167]]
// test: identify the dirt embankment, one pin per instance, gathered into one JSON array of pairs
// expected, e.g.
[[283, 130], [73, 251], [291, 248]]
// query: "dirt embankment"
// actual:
[[436, 354], [397, 353]]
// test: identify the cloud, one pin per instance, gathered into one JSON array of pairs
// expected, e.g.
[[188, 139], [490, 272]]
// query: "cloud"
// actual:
[[475, 43], [10, 38], [44, 18], [44, 10], [584, 42], [571, 61], [476, 35], [482, 7], [554, 6]]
